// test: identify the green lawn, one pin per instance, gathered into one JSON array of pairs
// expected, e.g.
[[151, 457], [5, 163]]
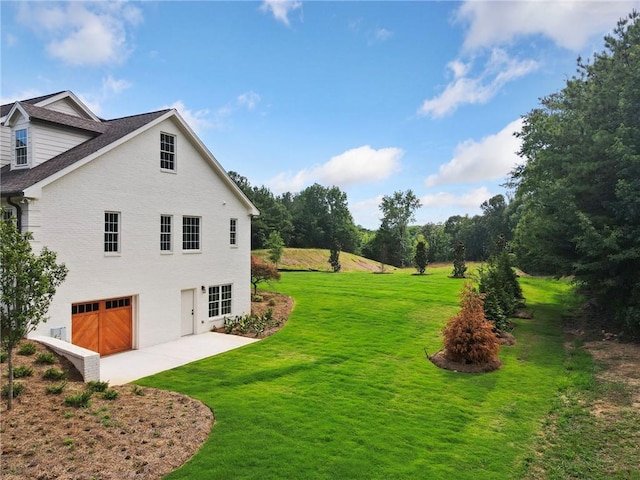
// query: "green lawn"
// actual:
[[345, 391]]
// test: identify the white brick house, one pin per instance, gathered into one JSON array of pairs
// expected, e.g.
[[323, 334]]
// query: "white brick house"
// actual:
[[155, 234]]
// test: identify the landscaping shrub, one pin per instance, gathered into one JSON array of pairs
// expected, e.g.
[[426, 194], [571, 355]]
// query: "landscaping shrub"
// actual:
[[79, 400], [137, 390], [468, 336], [56, 388], [47, 358], [97, 386], [54, 374], [255, 324], [28, 348], [110, 394], [17, 389], [22, 371]]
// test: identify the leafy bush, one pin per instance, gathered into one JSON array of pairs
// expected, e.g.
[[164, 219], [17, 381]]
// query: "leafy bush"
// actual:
[[110, 394], [18, 388], [54, 374], [79, 400], [56, 388], [468, 336], [22, 371], [28, 348], [255, 324], [97, 386], [47, 358], [3, 357]]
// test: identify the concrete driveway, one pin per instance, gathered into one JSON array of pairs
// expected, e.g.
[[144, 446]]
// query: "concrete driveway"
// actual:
[[128, 366]]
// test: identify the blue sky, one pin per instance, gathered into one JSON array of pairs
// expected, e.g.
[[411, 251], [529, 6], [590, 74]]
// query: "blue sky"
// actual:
[[373, 97]]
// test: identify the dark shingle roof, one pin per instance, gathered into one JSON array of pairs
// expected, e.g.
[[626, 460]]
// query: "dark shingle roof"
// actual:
[[4, 109], [51, 116], [16, 181]]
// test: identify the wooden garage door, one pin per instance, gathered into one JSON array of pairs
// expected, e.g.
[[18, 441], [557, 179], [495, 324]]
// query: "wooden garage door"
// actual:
[[104, 326]]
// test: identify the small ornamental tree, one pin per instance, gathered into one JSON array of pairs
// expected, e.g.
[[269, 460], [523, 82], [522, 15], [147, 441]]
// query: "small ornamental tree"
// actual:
[[28, 282], [421, 258], [262, 272], [459, 267], [469, 337], [334, 257], [275, 244]]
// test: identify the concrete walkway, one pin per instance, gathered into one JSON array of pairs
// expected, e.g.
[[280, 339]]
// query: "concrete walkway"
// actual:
[[128, 366]]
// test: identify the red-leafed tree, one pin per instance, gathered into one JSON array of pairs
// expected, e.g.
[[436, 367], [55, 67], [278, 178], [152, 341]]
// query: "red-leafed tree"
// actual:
[[262, 272]]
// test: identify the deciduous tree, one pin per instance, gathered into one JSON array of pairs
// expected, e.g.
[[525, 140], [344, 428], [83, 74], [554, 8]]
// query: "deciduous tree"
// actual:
[[28, 282]]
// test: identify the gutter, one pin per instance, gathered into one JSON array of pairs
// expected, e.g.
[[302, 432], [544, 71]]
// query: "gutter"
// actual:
[[18, 213]]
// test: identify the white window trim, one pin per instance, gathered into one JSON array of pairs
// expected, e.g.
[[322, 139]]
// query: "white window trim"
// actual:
[[171, 234], [233, 232], [118, 252], [221, 314], [14, 156], [191, 250], [175, 153]]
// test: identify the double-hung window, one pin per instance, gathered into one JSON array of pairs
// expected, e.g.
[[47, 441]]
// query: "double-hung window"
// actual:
[[233, 232], [111, 232], [220, 300], [167, 151], [21, 147], [165, 233], [190, 233]]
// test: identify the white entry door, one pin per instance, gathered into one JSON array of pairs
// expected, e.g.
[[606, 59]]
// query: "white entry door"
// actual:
[[188, 311]]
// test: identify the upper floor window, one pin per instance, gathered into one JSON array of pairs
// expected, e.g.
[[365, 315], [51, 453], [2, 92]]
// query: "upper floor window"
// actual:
[[111, 232], [167, 151], [233, 232], [165, 233], [191, 233], [21, 147]]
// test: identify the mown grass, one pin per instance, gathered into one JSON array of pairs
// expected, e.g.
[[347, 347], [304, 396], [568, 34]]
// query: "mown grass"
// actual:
[[345, 391]]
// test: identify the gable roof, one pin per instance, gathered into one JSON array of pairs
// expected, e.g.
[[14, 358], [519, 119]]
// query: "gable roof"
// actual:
[[54, 117], [108, 134], [6, 108], [14, 182]]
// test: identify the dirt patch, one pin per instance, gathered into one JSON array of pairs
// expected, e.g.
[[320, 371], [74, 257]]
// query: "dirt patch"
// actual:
[[142, 435], [440, 360], [618, 364]]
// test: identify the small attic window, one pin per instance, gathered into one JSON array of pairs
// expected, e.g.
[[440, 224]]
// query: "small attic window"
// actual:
[[21, 147], [167, 151]]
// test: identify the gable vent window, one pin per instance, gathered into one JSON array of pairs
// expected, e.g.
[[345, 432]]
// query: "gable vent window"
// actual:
[[167, 152], [21, 147]]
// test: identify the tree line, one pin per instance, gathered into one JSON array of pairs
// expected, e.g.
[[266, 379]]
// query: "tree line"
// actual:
[[574, 203], [319, 217]]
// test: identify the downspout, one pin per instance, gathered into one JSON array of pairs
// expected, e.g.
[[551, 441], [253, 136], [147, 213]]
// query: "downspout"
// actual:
[[18, 213]]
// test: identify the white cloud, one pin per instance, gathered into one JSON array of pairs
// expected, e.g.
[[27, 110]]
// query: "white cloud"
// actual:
[[498, 71], [111, 85], [82, 34], [198, 120], [569, 23], [491, 158], [249, 99], [470, 199], [23, 95], [280, 9], [355, 166]]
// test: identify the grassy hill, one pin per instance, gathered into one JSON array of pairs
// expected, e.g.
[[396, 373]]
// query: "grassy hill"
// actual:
[[318, 259]]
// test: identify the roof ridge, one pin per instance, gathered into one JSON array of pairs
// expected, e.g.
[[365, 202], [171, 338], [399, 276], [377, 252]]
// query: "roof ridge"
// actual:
[[139, 115]]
